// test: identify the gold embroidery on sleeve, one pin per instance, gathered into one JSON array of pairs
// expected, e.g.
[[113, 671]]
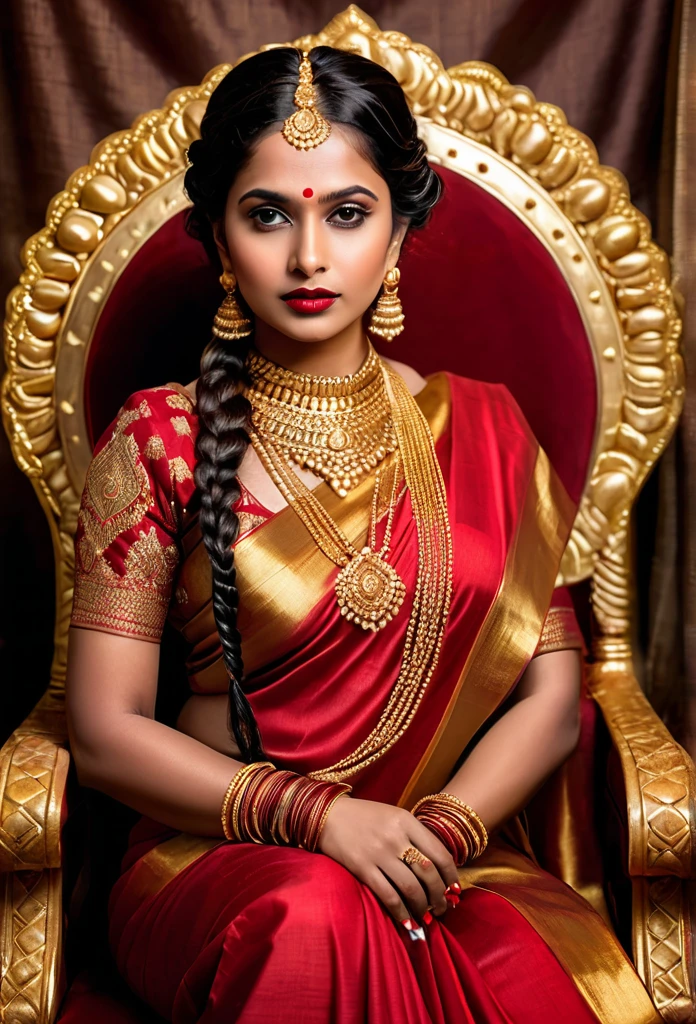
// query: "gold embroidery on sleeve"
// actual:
[[181, 425], [178, 401], [154, 449], [117, 491], [131, 415], [135, 603], [179, 470], [560, 631]]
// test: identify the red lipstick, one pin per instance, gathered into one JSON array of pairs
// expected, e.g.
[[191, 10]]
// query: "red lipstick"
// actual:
[[309, 300]]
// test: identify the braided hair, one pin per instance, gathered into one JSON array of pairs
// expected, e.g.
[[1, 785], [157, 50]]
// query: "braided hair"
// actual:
[[252, 99]]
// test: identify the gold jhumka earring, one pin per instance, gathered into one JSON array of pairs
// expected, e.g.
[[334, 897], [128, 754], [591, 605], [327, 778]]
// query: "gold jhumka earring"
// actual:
[[306, 128], [230, 324], [388, 317]]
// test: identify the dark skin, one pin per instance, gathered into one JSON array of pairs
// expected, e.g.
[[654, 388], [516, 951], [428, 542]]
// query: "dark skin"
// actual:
[[179, 776]]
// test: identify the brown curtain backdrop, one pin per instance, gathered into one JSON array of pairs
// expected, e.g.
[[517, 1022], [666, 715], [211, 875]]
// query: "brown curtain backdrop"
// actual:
[[72, 71]]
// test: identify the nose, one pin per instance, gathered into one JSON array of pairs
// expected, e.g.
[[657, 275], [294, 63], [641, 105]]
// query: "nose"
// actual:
[[308, 253]]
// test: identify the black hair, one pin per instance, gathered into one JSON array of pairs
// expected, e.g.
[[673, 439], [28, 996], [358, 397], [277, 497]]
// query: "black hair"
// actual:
[[255, 95]]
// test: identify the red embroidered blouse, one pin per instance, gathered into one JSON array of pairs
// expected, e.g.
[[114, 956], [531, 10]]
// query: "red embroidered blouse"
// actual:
[[138, 488]]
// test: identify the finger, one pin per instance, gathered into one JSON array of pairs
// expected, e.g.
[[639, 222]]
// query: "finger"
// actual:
[[431, 879], [409, 886], [429, 844], [392, 901]]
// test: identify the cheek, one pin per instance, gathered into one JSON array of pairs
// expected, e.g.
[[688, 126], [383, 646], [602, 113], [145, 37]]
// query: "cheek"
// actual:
[[362, 255]]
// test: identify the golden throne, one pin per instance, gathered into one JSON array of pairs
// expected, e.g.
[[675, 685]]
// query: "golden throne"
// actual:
[[539, 272]]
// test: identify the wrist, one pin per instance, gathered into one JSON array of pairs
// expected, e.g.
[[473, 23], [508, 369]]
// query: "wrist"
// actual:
[[264, 804], [458, 827]]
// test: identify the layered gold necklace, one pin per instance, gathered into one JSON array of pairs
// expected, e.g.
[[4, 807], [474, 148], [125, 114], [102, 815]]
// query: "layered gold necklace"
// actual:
[[339, 427], [369, 590]]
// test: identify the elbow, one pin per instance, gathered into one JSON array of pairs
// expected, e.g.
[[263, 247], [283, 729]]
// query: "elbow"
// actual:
[[570, 732], [84, 767]]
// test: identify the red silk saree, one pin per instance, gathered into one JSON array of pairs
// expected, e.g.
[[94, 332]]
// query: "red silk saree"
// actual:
[[207, 930]]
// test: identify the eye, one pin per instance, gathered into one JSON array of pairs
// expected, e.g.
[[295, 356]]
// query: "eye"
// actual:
[[349, 216], [265, 216]]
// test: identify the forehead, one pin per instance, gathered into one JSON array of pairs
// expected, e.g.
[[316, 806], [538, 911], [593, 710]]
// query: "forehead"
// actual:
[[336, 163]]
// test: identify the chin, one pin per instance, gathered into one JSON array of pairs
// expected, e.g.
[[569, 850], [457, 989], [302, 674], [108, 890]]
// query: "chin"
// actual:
[[319, 330]]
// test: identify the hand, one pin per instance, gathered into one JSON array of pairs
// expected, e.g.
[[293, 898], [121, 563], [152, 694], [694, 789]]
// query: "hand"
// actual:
[[368, 838]]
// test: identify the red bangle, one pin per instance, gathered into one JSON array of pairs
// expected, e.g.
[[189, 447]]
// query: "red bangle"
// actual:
[[271, 805]]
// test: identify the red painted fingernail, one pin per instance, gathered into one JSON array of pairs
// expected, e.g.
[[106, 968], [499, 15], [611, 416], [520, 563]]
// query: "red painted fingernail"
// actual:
[[454, 887], [409, 924], [427, 917], [452, 898]]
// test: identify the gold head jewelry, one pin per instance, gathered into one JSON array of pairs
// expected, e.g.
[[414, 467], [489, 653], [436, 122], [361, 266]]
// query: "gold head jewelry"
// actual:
[[230, 324], [388, 317], [306, 128]]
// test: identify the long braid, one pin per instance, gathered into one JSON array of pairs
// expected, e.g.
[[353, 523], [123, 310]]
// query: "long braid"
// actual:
[[253, 98], [224, 412]]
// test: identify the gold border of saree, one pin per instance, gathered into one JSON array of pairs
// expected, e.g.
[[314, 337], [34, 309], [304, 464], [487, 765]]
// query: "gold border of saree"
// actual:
[[292, 572], [290, 555], [510, 631], [506, 641]]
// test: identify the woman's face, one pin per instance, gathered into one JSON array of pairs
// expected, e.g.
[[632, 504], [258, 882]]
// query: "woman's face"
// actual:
[[312, 219]]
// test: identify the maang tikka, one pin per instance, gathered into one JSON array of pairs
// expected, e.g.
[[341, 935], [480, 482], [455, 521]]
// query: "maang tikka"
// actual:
[[230, 324], [306, 128]]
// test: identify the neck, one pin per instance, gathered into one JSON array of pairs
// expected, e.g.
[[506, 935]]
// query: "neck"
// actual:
[[339, 356]]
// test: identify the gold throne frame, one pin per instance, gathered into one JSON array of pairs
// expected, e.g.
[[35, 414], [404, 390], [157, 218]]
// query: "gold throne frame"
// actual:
[[522, 151]]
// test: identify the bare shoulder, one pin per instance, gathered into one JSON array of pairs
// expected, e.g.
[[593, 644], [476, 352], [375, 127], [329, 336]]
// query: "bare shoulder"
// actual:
[[414, 381]]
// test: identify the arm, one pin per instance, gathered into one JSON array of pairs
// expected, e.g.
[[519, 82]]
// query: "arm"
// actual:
[[538, 732], [126, 554], [121, 750]]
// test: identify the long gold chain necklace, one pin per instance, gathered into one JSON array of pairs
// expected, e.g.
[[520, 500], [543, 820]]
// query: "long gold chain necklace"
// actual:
[[369, 590], [339, 427], [431, 601]]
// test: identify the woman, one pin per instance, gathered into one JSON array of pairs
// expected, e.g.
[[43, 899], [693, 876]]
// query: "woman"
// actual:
[[362, 561]]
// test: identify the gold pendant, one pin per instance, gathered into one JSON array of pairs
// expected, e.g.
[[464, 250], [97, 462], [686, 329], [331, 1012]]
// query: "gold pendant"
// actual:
[[370, 591]]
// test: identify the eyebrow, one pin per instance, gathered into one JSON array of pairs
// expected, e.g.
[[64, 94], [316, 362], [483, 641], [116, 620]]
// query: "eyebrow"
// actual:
[[330, 197]]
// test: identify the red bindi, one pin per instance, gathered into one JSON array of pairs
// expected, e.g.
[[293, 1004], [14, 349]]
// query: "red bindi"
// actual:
[[308, 193]]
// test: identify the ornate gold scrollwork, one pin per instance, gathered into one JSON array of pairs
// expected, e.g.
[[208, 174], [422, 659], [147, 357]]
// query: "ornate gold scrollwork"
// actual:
[[499, 135], [620, 279]]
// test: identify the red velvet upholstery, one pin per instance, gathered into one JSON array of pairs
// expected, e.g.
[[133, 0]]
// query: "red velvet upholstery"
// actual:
[[481, 294]]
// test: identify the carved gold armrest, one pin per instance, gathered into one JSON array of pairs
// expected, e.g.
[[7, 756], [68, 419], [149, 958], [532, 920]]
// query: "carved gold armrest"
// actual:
[[659, 777], [660, 784], [33, 773], [33, 776]]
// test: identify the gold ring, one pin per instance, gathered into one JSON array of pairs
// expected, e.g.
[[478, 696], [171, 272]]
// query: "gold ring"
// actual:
[[413, 856]]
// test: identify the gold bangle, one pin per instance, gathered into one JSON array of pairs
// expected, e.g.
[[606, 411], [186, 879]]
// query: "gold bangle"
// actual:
[[249, 771], [456, 810], [235, 782], [325, 815], [225, 802], [477, 819]]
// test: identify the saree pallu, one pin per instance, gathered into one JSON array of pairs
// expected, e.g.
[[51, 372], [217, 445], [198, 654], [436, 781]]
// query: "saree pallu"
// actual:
[[207, 930]]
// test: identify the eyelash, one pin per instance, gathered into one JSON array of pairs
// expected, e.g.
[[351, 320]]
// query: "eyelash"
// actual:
[[254, 215]]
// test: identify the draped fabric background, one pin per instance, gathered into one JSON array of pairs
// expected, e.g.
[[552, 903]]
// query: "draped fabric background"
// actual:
[[72, 71]]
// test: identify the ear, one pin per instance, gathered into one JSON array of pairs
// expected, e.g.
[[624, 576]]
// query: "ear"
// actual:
[[394, 250], [221, 243]]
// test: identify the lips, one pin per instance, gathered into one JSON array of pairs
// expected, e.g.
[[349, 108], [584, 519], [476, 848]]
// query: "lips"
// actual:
[[309, 293], [309, 300]]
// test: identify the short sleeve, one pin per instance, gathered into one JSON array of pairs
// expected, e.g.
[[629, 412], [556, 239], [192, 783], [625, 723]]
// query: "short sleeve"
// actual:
[[561, 630], [138, 483]]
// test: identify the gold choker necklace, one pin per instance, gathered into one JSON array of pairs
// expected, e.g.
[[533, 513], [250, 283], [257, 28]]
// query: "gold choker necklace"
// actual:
[[338, 427]]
